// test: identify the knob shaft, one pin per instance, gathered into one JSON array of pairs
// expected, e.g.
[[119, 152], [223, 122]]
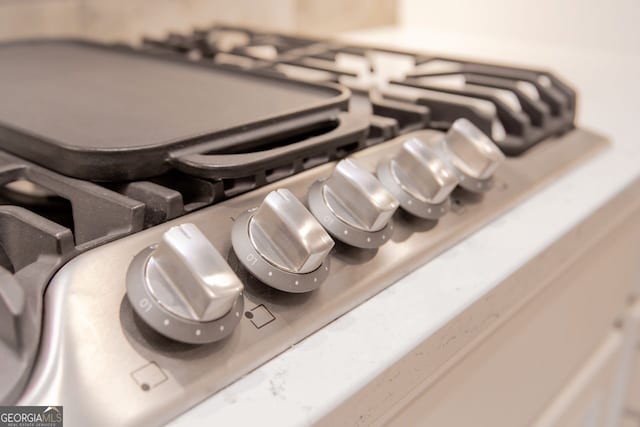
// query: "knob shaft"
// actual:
[[184, 289], [419, 177], [472, 154], [353, 205], [282, 244]]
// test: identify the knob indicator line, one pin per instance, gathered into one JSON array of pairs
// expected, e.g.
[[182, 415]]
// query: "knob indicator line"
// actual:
[[184, 289]]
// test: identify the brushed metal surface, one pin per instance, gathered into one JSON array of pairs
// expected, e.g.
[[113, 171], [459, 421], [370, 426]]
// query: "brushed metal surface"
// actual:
[[189, 277], [184, 289], [357, 198], [285, 233], [154, 315], [422, 172], [97, 356], [471, 152]]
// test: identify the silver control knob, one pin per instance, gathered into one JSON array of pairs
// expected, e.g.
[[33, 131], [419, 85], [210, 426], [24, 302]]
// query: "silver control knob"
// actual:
[[282, 244], [472, 154], [353, 206], [184, 289], [419, 177]]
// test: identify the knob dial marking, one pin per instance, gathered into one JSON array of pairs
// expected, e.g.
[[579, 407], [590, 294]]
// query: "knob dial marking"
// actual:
[[419, 178], [282, 244], [354, 206], [473, 155], [184, 289]]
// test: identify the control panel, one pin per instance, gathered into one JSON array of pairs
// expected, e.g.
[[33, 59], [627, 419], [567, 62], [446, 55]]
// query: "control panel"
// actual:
[[184, 289], [176, 312]]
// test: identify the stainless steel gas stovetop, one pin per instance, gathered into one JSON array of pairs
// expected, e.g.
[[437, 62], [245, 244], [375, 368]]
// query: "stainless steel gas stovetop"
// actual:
[[176, 215]]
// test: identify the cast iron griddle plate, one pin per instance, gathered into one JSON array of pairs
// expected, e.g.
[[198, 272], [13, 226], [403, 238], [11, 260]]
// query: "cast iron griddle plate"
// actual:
[[77, 107]]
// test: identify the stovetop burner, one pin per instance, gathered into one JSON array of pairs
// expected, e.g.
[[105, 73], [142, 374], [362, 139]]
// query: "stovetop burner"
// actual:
[[299, 236], [517, 107]]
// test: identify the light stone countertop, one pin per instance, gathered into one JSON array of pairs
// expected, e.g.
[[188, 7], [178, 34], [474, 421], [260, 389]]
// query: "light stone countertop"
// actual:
[[311, 379]]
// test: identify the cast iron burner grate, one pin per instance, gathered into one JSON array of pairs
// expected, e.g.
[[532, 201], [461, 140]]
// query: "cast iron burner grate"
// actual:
[[517, 107]]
